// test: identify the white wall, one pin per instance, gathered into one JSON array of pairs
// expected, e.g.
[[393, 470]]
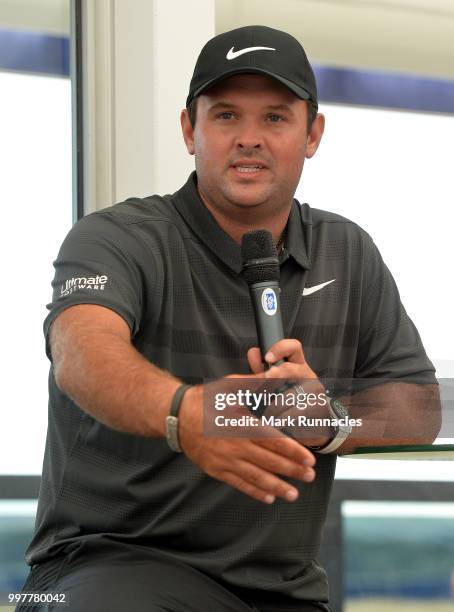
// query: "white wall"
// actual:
[[139, 57], [391, 172]]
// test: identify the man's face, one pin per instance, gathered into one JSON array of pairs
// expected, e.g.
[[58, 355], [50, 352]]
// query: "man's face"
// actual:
[[250, 141]]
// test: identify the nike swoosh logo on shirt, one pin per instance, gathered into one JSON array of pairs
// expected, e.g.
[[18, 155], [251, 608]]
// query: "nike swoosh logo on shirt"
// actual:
[[310, 290], [233, 54]]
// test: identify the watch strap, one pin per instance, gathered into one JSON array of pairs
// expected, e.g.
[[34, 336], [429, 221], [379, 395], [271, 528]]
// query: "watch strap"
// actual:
[[172, 419], [337, 411]]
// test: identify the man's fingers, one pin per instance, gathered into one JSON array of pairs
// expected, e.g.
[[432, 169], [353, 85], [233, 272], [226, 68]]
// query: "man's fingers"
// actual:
[[288, 348], [286, 447], [253, 468], [278, 464], [263, 483], [235, 481], [254, 358]]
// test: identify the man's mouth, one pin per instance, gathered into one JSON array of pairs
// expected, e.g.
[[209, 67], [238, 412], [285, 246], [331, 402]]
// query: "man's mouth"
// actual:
[[248, 167]]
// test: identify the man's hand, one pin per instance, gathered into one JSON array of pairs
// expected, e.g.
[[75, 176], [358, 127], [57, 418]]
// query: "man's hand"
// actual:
[[296, 368], [251, 465]]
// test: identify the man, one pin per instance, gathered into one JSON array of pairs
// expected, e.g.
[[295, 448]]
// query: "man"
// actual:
[[148, 295]]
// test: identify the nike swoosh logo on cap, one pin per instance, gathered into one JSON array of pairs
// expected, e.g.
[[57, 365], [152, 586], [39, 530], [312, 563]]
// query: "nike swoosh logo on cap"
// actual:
[[233, 54], [310, 290]]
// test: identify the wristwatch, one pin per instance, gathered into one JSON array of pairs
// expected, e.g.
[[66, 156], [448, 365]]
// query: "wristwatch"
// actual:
[[343, 429]]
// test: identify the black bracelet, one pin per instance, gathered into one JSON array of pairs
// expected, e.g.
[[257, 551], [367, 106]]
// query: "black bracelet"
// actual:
[[172, 419]]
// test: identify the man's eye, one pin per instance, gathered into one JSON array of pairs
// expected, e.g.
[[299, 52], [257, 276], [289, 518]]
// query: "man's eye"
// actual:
[[275, 118], [225, 115]]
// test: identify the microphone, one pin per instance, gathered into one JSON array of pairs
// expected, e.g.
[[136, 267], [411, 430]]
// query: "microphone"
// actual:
[[261, 271]]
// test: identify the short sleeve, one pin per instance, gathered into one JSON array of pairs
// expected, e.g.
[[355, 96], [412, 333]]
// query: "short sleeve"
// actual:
[[389, 343], [94, 266]]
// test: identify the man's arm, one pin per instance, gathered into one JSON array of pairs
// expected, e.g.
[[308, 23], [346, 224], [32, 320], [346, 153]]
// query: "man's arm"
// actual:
[[96, 365]]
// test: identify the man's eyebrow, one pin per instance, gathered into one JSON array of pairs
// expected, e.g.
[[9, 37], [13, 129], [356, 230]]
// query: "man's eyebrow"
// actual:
[[221, 104], [281, 107], [271, 107]]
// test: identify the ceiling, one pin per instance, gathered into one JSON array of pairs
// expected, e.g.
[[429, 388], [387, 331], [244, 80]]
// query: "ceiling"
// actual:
[[50, 16], [410, 36]]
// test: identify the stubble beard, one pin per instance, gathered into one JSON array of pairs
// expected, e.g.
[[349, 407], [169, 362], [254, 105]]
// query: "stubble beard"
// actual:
[[234, 202]]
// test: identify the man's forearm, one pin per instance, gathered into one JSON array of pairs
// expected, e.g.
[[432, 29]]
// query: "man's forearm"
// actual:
[[389, 414], [394, 414], [108, 378]]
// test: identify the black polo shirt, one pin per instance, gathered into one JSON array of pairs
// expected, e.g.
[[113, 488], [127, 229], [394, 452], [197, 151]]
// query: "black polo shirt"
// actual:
[[173, 274]]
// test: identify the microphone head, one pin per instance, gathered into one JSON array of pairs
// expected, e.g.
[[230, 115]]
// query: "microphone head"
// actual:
[[259, 256]]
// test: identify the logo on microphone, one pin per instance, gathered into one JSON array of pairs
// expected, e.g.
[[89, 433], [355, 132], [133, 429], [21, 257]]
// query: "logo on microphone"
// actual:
[[269, 301]]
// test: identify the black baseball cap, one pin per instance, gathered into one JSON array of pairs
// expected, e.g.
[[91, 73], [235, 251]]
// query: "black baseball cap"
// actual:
[[255, 49]]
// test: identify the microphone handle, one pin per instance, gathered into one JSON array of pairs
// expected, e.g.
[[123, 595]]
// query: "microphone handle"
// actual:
[[265, 297]]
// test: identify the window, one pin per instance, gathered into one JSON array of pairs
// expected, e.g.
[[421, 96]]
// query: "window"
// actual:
[[36, 196]]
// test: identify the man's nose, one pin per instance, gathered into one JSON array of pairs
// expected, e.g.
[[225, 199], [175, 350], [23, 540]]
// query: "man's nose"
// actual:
[[249, 136]]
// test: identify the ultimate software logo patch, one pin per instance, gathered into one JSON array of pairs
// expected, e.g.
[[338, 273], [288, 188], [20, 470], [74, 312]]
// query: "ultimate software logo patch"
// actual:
[[92, 283]]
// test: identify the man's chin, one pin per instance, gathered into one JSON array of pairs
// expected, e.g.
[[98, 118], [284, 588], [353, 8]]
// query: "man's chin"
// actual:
[[243, 199], [248, 204]]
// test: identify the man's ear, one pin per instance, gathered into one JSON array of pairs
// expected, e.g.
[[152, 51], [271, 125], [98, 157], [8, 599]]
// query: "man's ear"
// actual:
[[188, 131], [315, 135]]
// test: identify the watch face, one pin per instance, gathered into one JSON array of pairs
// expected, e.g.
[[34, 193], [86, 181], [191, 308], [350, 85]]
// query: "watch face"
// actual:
[[338, 408]]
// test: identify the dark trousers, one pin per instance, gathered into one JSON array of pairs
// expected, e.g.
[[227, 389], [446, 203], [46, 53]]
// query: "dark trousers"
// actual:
[[127, 578]]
